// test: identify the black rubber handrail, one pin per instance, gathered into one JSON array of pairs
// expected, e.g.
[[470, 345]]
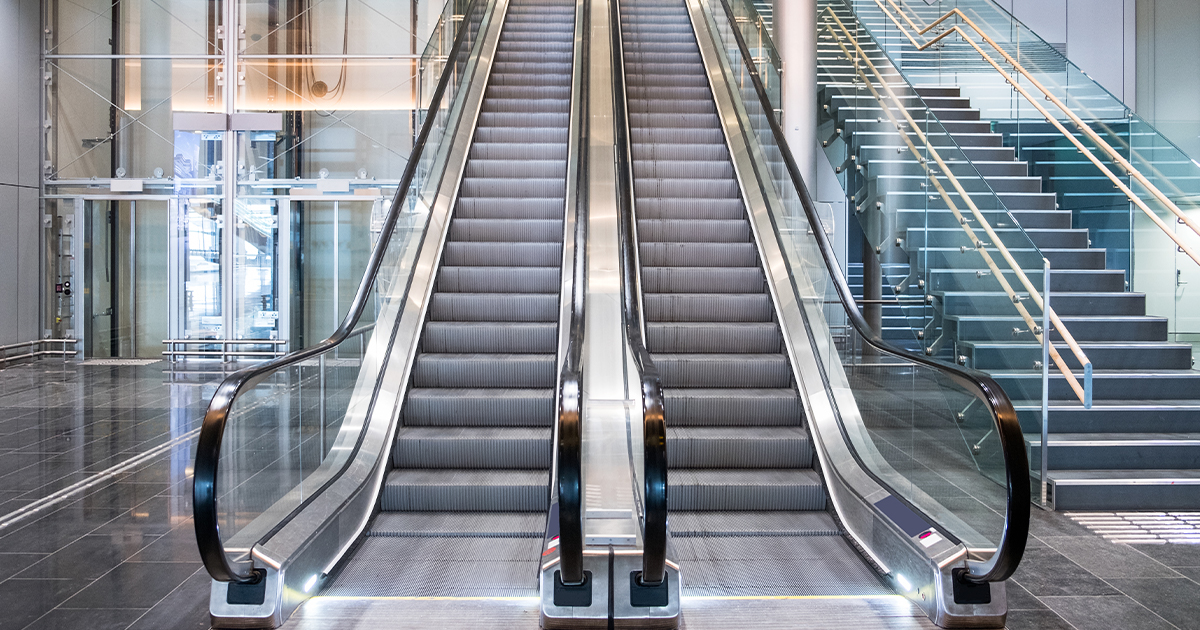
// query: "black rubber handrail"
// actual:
[[569, 471], [654, 427], [208, 447], [1012, 442]]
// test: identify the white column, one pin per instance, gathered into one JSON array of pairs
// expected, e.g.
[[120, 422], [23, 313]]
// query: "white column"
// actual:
[[796, 39]]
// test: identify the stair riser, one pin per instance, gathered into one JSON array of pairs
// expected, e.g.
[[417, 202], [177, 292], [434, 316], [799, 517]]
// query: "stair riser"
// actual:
[[1093, 330], [1101, 496], [1028, 259], [1132, 457], [1161, 358], [1105, 387], [1088, 282], [1101, 420], [950, 237], [1065, 304]]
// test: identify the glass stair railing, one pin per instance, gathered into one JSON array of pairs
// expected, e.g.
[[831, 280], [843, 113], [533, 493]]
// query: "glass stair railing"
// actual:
[[1112, 205]]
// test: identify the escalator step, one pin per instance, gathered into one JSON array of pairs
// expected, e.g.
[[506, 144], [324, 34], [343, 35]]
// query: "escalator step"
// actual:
[[450, 407], [426, 490], [473, 448], [483, 370], [741, 489]]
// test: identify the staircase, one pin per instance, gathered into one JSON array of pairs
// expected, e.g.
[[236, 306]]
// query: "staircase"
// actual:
[[1139, 446]]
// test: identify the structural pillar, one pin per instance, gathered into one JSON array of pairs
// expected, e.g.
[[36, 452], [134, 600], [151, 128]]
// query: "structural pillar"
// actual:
[[795, 37]]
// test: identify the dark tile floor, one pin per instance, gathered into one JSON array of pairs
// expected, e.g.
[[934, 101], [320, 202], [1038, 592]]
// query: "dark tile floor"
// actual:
[[118, 554], [121, 554]]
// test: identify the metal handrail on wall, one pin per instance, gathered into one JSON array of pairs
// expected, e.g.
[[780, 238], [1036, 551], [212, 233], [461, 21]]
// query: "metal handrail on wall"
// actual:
[[33, 349], [1083, 127], [1084, 391]]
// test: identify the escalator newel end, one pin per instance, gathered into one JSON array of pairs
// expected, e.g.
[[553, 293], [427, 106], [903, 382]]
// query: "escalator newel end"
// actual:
[[647, 595], [573, 595]]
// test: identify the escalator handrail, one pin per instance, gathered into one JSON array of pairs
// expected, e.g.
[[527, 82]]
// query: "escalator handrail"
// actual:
[[654, 428], [569, 460], [1012, 543], [208, 447]]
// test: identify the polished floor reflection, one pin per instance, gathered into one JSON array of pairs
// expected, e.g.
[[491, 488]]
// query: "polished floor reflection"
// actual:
[[96, 529], [95, 496]]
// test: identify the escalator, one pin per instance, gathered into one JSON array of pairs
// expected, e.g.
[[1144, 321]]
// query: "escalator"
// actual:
[[741, 461], [815, 470], [469, 486], [437, 460], [409, 456]]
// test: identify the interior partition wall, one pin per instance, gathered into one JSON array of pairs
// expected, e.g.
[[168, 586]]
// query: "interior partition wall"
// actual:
[[212, 169]]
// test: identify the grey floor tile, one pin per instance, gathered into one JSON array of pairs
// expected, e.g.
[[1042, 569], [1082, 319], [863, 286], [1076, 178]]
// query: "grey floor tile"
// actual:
[[178, 545], [1045, 572], [13, 563], [1192, 573], [86, 619], [1035, 620], [87, 558], [1106, 559], [23, 601], [1173, 555], [185, 608], [1021, 599], [1110, 612], [1177, 600], [133, 585]]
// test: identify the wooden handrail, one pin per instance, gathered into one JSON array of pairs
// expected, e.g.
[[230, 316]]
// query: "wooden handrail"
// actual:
[[1081, 391], [1083, 127]]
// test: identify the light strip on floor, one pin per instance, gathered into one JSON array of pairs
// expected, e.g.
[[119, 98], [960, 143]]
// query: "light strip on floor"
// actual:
[[1143, 528]]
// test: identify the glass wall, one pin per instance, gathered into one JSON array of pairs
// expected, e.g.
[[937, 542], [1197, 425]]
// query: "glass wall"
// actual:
[[150, 105]]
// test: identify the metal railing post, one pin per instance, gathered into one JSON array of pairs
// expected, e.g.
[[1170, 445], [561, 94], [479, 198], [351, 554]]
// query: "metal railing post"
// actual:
[[1045, 479]]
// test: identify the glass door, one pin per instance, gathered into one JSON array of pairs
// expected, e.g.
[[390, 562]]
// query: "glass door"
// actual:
[[124, 269], [197, 308]]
